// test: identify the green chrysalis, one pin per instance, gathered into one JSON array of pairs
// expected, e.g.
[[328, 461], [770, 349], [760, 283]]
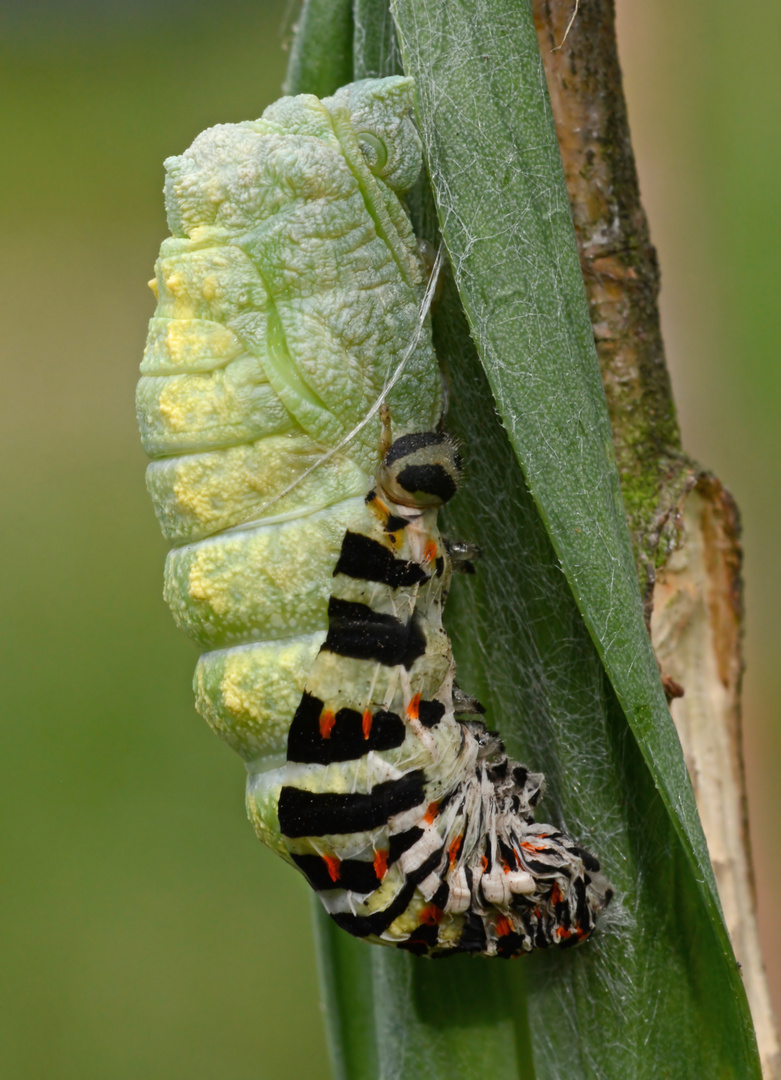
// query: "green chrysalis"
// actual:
[[287, 296]]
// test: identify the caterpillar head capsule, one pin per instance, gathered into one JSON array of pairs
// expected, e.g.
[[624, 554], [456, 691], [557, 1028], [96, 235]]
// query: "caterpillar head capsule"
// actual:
[[421, 470]]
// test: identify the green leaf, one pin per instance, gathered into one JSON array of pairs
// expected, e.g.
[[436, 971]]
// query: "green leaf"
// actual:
[[389, 1015], [321, 57], [549, 633], [375, 48], [651, 993]]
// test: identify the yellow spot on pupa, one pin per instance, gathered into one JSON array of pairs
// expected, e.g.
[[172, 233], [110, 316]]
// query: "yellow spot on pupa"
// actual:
[[174, 342], [174, 410], [153, 286]]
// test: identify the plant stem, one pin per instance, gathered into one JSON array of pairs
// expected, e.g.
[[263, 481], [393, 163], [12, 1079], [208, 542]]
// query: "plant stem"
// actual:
[[684, 525]]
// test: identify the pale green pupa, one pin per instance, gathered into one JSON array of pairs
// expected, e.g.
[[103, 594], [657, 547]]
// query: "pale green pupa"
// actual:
[[288, 295]]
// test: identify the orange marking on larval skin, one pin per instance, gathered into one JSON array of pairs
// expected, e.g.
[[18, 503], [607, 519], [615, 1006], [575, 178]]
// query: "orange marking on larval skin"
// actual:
[[453, 850], [485, 863], [431, 915], [334, 866], [431, 812], [503, 926], [555, 893], [530, 847], [366, 723], [563, 934], [430, 552], [380, 509], [413, 709], [381, 864], [383, 513], [327, 721]]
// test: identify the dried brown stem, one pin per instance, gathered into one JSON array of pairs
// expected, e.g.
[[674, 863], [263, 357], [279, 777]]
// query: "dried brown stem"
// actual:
[[619, 267], [684, 524]]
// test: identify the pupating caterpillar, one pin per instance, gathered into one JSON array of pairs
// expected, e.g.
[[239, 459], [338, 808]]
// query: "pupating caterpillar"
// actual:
[[307, 560]]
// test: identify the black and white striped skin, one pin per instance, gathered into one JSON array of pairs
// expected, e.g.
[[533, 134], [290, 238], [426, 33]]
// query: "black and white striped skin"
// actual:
[[413, 826]]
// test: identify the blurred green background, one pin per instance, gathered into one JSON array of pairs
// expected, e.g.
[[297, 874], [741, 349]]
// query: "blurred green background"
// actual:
[[145, 933]]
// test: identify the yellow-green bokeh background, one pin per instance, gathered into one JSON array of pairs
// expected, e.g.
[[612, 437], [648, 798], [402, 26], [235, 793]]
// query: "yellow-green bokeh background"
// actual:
[[144, 932]]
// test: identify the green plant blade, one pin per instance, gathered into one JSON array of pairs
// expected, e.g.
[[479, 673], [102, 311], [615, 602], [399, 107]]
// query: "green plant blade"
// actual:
[[494, 165], [392, 1016], [656, 992], [650, 995], [497, 179], [348, 999], [321, 56], [389, 1015], [375, 48]]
